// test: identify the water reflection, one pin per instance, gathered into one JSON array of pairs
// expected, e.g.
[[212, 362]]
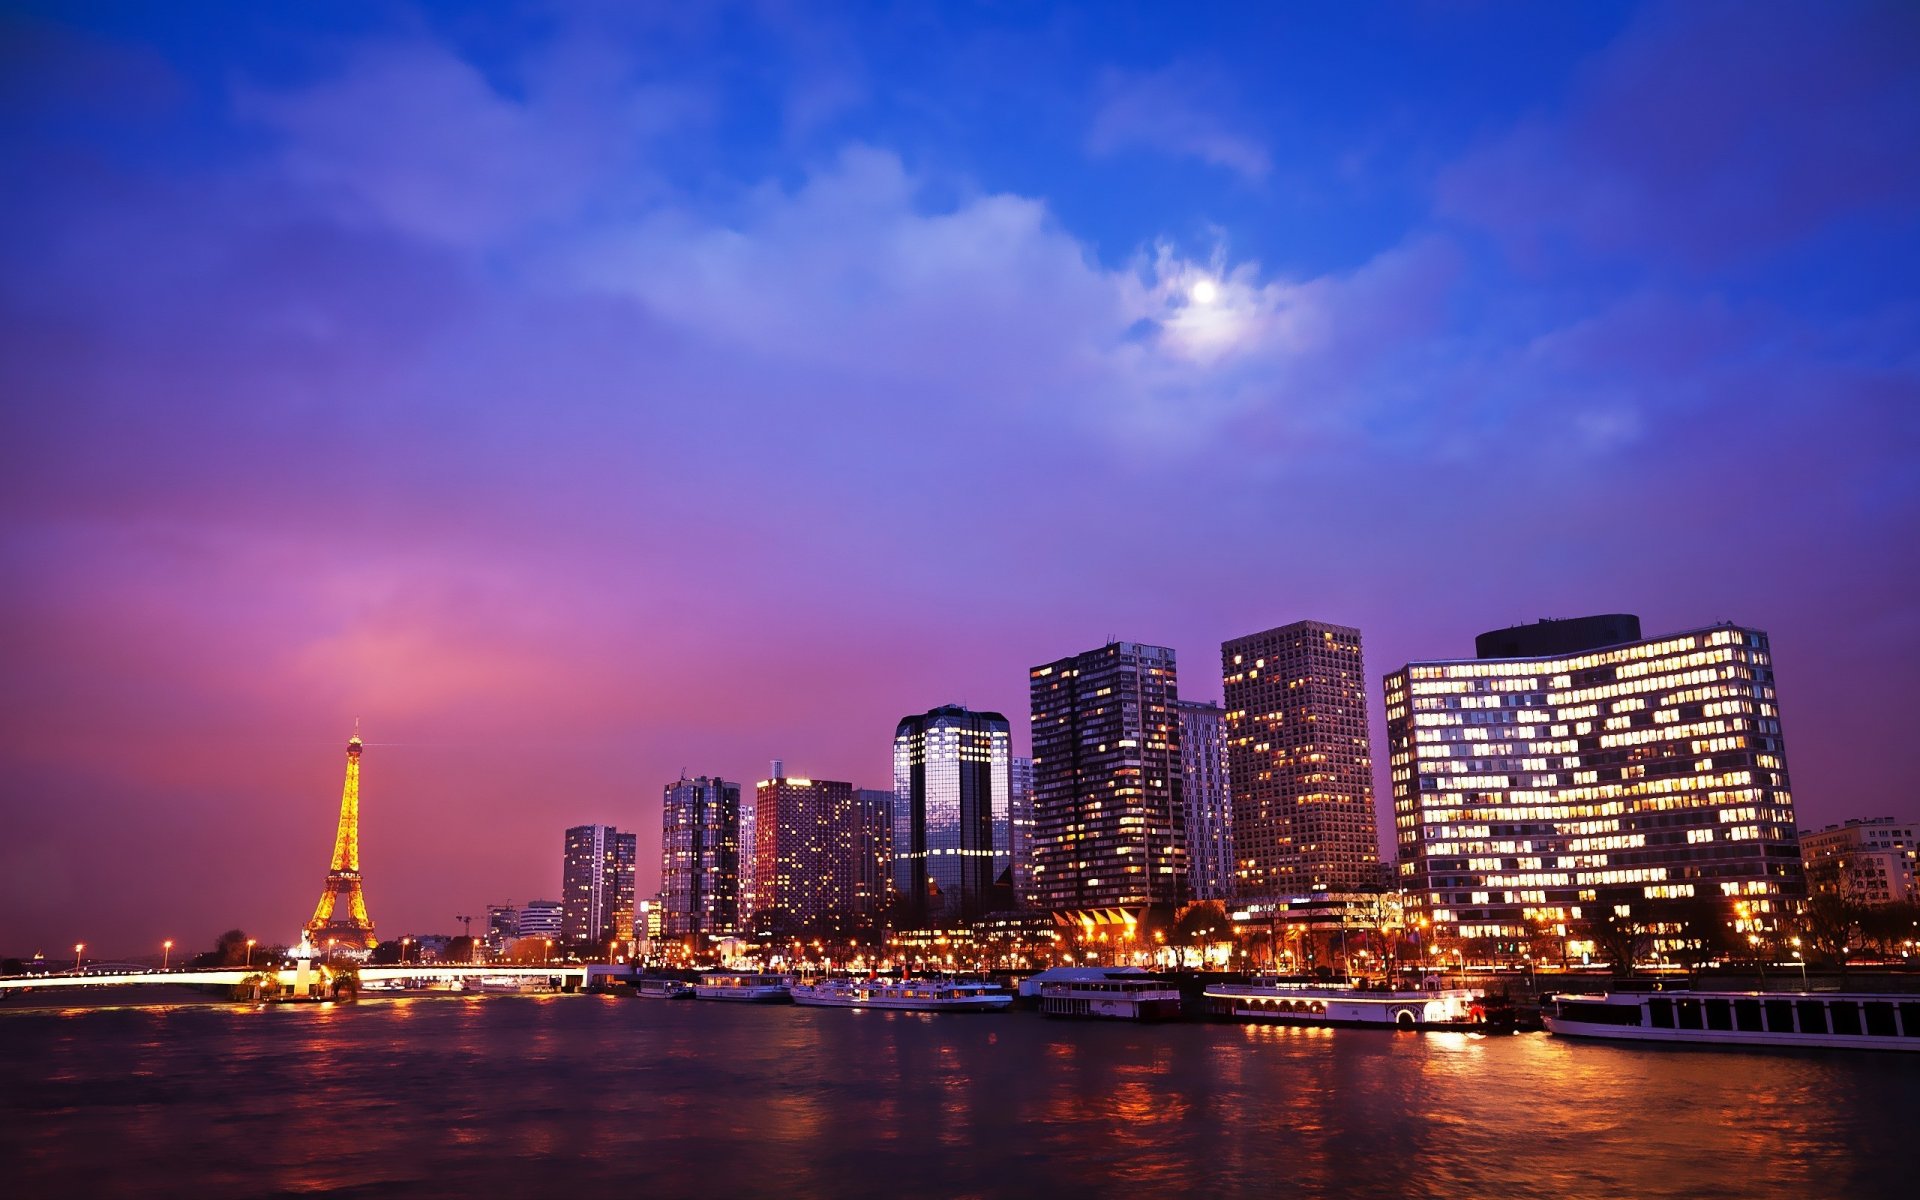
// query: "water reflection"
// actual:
[[450, 1096]]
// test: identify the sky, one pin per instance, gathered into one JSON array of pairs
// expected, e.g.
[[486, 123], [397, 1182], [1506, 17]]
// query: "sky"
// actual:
[[579, 394]]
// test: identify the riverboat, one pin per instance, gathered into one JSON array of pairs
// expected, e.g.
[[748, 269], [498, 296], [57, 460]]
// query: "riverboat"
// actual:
[[1114, 997], [742, 987], [662, 989], [1824, 1020], [1347, 1006], [911, 995]]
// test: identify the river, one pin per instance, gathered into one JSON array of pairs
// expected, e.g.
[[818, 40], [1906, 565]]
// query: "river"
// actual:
[[584, 1096]]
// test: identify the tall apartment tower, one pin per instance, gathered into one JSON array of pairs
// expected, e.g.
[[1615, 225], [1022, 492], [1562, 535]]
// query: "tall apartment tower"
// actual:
[[1298, 761], [805, 856], [950, 779], [1109, 820], [873, 810], [1575, 763], [1020, 828], [597, 882], [700, 857], [1203, 778]]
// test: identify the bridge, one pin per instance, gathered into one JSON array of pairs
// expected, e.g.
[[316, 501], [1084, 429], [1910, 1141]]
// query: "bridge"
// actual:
[[301, 981]]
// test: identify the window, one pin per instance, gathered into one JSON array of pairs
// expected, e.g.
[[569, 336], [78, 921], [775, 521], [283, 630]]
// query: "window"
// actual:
[[1846, 1016], [1879, 1015], [1660, 1013], [1720, 1014], [1689, 1013], [1910, 1018], [1746, 1015], [1813, 1016], [1779, 1016]]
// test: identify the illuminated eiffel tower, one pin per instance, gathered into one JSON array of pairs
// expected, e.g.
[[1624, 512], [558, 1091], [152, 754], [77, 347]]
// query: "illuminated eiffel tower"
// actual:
[[341, 914]]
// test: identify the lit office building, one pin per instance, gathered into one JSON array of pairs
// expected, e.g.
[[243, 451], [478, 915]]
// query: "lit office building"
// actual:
[[873, 811], [1020, 828], [1109, 822], [1298, 761], [1575, 763], [503, 925], [541, 919], [804, 856], [1203, 779], [950, 781], [596, 882], [700, 857], [1865, 861]]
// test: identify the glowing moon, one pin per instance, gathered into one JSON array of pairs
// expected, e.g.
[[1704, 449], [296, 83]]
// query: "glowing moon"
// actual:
[[1203, 292]]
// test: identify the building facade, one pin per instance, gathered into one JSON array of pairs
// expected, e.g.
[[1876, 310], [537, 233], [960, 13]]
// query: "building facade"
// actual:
[[1866, 861], [700, 858], [873, 811], [1020, 828], [1109, 818], [950, 782], [804, 856], [597, 884], [1527, 791], [1298, 761], [1203, 778], [541, 919]]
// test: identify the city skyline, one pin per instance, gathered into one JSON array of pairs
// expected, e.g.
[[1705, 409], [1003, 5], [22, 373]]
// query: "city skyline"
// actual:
[[358, 362]]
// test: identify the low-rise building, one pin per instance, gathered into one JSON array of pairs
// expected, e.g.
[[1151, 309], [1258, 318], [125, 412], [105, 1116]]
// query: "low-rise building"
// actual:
[[1869, 861]]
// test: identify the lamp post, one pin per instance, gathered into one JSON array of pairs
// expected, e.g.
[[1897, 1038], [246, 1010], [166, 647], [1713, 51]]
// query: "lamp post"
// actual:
[[251, 943], [166, 953], [77, 948], [404, 943]]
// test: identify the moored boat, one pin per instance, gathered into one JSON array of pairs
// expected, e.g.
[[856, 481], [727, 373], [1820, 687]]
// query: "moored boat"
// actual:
[[742, 987], [910, 995], [1113, 997], [1823, 1020], [662, 989], [1335, 1006]]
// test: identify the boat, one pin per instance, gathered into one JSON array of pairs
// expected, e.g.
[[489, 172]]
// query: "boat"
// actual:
[[1354, 1004], [910, 995], [742, 987], [1112, 995], [1826, 1020], [662, 989]]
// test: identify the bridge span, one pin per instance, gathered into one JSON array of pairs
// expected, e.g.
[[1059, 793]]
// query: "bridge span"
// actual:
[[301, 981]]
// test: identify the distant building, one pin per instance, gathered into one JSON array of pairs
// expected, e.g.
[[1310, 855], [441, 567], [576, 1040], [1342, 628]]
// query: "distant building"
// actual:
[[503, 925], [1109, 819], [597, 885], [700, 857], [749, 901], [873, 855], [541, 919], [1299, 762], [804, 857], [950, 784], [1203, 778], [1529, 790], [1020, 828], [1867, 861]]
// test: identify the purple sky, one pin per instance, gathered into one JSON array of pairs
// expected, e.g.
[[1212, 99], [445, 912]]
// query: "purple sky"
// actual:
[[581, 396]]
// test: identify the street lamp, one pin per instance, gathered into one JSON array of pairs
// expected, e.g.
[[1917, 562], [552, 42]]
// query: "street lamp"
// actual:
[[404, 943], [166, 953], [250, 945], [77, 948]]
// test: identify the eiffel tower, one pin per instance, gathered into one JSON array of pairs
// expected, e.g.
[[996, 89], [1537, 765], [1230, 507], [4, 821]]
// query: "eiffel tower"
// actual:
[[354, 927]]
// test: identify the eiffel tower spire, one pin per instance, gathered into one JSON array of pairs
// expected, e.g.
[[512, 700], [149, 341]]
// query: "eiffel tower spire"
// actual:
[[354, 926]]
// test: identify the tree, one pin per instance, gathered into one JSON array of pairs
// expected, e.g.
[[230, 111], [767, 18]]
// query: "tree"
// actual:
[[1201, 925], [229, 950], [1887, 928], [1615, 923], [1832, 923], [1705, 930]]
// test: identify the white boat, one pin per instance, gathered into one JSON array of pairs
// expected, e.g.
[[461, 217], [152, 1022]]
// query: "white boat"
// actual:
[[911, 995], [662, 989], [1350, 1005], [1827, 1020], [1030, 986], [742, 987], [1114, 997]]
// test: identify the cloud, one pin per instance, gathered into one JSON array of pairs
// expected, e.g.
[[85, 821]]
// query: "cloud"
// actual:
[[1709, 133], [1176, 111]]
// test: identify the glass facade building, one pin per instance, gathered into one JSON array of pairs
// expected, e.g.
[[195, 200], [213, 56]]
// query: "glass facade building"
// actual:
[[1299, 762], [873, 855], [1109, 818], [950, 781], [597, 885], [700, 857], [1203, 779], [1528, 790], [1020, 828]]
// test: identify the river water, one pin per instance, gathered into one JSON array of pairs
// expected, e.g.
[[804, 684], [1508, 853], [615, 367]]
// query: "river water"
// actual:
[[582, 1096]]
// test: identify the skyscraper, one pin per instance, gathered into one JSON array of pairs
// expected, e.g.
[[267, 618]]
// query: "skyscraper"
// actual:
[[700, 857], [1020, 827], [1109, 823], [804, 859], [872, 855], [1298, 761], [1527, 790], [1203, 779], [950, 780], [596, 881]]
